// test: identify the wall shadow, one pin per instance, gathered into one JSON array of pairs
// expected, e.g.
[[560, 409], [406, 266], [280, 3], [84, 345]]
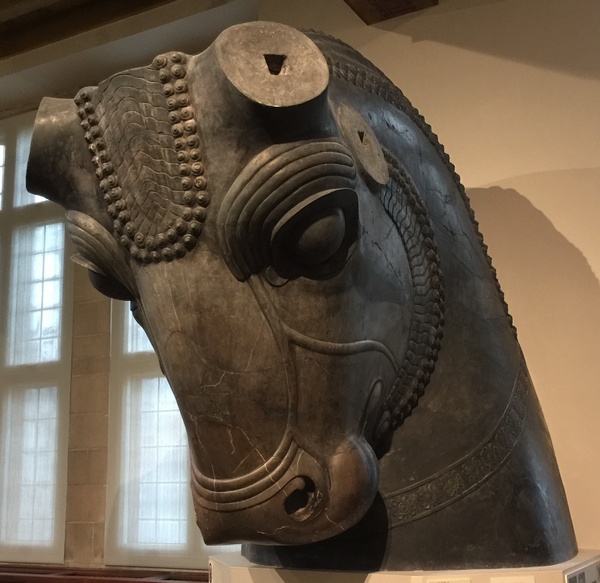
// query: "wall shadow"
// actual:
[[553, 34], [555, 299]]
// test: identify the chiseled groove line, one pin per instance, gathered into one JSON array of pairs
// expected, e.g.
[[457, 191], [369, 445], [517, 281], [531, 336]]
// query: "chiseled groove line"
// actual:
[[511, 423], [341, 349], [242, 487], [257, 485]]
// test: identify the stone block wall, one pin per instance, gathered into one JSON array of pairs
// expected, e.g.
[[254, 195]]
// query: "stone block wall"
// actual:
[[88, 426]]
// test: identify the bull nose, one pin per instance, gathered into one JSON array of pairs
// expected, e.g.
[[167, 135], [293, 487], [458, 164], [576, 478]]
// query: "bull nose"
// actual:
[[302, 498], [314, 500]]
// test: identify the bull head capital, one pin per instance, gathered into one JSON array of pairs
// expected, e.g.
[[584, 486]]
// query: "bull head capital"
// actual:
[[303, 257]]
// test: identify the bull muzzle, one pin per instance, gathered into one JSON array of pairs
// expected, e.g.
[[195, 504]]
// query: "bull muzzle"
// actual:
[[294, 498]]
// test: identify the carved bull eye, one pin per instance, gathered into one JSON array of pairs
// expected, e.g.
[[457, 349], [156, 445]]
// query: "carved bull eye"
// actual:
[[314, 239], [318, 241], [293, 208]]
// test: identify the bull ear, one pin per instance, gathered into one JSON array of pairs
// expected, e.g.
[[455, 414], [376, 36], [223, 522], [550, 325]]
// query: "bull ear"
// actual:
[[98, 251], [60, 166]]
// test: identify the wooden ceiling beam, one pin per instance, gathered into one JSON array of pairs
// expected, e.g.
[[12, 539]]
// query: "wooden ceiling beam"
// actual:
[[54, 20], [373, 11], [10, 10]]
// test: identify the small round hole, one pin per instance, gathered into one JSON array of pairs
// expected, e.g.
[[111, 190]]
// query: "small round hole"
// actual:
[[300, 503]]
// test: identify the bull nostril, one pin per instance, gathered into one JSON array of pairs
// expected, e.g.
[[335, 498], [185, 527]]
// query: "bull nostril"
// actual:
[[301, 502]]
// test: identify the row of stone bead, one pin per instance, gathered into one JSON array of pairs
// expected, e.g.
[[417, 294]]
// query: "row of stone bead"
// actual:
[[117, 207], [172, 73], [184, 128], [165, 245], [100, 157]]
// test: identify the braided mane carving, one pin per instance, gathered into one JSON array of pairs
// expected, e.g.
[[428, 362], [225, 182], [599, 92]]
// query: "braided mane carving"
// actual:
[[347, 64], [404, 207], [142, 134]]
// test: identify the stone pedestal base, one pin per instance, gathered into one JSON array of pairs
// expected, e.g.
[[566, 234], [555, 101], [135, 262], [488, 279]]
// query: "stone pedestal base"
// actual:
[[233, 568]]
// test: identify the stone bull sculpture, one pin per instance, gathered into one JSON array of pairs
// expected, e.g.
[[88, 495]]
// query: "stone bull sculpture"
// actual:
[[297, 246]]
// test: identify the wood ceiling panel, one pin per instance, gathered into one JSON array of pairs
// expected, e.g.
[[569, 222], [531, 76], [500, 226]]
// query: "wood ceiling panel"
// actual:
[[30, 24], [10, 9], [373, 11]]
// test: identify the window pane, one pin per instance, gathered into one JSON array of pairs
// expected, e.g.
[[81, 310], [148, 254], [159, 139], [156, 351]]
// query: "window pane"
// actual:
[[28, 446], [135, 337], [22, 196], [36, 294], [155, 467]]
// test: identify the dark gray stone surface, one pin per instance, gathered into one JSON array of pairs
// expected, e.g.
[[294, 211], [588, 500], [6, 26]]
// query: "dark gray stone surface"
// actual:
[[304, 259]]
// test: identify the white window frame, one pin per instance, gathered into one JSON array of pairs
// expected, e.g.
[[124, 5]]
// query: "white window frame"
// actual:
[[193, 554], [41, 375]]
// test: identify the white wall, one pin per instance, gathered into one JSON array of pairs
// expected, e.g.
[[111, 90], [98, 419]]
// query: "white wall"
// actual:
[[512, 88]]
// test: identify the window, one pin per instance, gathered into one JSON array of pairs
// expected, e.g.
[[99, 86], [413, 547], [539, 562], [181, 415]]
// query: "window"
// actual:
[[35, 356], [35, 301], [150, 515], [155, 493], [29, 438]]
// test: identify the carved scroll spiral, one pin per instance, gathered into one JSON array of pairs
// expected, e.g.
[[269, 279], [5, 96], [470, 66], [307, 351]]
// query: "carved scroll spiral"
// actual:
[[143, 137], [271, 184]]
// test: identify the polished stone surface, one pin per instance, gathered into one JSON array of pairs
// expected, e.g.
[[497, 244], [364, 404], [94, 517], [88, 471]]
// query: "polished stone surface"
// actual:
[[301, 253]]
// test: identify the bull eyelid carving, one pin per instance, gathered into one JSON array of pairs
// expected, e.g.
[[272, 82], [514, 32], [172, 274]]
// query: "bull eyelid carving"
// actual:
[[269, 186], [319, 237]]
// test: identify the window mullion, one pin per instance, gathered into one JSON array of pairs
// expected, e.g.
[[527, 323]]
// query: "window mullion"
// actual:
[[9, 139]]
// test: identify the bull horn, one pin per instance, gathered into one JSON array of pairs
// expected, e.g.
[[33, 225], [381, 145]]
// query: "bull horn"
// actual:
[[60, 166], [282, 71]]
